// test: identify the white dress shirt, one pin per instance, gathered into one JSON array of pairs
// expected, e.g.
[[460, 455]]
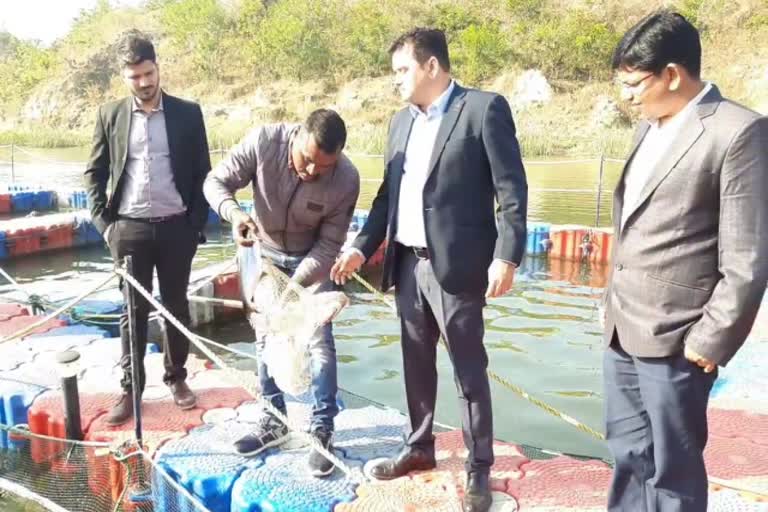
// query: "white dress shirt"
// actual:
[[655, 144], [421, 143]]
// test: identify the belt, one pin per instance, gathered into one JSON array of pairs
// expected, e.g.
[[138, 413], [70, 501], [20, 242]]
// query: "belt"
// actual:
[[154, 220]]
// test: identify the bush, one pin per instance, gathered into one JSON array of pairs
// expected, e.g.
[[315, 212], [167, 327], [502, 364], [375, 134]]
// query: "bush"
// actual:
[[362, 40], [22, 66], [571, 45], [294, 39], [479, 52], [197, 28]]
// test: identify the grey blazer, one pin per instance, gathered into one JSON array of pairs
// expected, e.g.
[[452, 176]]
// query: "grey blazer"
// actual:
[[690, 265]]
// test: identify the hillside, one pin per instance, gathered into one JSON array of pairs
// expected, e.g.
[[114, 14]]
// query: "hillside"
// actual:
[[252, 61]]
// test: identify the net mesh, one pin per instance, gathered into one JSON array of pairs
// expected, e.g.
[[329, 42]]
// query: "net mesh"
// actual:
[[286, 316], [42, 473]]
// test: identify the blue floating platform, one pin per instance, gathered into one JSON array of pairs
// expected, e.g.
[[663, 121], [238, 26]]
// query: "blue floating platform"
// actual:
[[284, 484], [205, 465], [15, 399]]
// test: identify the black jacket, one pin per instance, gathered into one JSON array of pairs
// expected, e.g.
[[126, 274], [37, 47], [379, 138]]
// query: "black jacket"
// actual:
[[190, 161], [475, 161]]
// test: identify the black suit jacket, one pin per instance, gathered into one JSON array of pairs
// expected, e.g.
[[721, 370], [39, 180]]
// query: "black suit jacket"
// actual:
[[475, 161], [188, 146]]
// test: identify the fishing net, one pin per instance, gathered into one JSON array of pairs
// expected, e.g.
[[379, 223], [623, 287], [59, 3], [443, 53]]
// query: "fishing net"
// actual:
[[286, 315], [40, 473]]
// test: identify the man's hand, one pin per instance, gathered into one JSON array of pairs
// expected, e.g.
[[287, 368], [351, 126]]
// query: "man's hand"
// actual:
[[703, 362], [501, 276], [243, 228], [348, 263]]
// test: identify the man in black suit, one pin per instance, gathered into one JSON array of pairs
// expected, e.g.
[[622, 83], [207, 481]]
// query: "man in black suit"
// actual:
[[150, 151], [451, 152]]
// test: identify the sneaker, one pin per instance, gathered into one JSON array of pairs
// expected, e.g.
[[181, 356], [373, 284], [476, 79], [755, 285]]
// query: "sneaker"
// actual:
[[269, 432], [320, 466]]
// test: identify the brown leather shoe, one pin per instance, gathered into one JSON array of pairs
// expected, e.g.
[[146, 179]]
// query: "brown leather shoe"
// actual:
[[121, 412], [409, 459], [477, 497], [182, 395]]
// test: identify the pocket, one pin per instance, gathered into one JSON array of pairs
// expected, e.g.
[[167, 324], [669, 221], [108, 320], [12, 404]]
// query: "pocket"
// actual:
[[677, 283], [310, 212], [111, 229]]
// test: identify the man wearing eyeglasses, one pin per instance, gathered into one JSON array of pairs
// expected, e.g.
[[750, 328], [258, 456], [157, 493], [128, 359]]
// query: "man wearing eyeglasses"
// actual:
[[690, 264]]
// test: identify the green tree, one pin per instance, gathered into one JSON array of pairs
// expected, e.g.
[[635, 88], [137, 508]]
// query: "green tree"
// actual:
[[23, 65], [363, 38], [479, 52], [294, 40], [198, 27]]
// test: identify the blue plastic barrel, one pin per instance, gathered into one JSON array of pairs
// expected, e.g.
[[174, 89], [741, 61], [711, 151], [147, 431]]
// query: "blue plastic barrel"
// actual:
[[42, 200], [22, 201], [538, 232], [3, 248]]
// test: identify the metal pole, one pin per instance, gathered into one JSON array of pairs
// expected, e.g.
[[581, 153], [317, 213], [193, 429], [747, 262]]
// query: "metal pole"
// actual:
[[599, 189], [68, 364], [13, 170], [136, 358], [140, 492]]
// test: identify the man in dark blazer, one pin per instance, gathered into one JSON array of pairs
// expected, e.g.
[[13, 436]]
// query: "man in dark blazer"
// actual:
[[451, 153], [690, 264], [145, 191]]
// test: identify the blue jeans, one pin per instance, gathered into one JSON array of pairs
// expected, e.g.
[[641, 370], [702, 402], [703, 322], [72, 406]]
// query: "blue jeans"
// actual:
[[322, 351]]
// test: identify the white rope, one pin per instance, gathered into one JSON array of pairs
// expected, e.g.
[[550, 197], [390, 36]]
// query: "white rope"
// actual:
[[56, 313], [12, 281], [28, 495], [45, 159], [297, 430], [22, 429], [227, 348]]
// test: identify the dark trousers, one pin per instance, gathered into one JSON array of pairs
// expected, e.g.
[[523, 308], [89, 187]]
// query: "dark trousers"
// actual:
[[169, 247], [656, 429], [426, 312]]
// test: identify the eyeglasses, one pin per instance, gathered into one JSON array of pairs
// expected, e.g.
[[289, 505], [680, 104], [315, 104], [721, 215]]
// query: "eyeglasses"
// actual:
[[635, 87]]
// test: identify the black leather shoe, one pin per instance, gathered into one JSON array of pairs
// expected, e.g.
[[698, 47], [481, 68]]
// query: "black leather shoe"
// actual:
[[122, 412], [409, 459], [477, 497], [182, 395]]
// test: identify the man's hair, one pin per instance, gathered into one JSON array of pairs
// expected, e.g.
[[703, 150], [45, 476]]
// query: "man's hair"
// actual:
[[135, 48], [426, 43], [328, 128], [661, 38]]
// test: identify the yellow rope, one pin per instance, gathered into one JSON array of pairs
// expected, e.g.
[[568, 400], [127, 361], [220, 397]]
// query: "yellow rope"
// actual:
[[500, 380], [548, 408]]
